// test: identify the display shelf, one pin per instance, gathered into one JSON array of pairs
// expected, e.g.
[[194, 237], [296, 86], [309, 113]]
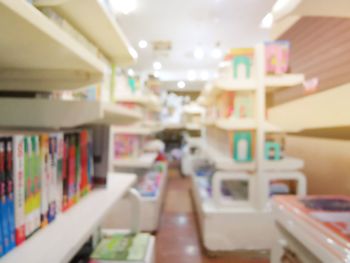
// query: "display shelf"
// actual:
[[173, 126], [53, 60], [310, 112], [271, 128], [102, 30], [234, 85], [224, 162], [137, 129], [192, 126], [236, 124], [150, 101], [51, 114], [274, 82], [286, 164], [61, 239], [145, 160]]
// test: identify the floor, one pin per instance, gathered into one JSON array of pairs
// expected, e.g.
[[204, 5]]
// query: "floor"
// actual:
[[177, 237]]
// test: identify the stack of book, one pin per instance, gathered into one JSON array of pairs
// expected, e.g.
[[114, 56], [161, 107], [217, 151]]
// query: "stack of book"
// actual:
[[41, 174]]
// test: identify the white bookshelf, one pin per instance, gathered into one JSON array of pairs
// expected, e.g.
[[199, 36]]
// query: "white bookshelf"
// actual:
[[236, 124], [285, 164], [103, 30], [61, 239], [234, 85], [56, 57], [45, 113], [145, 160], [138, 129], [274, 82]]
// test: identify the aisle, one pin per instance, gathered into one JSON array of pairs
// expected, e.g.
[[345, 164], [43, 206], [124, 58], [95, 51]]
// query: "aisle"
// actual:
[[177, 238]]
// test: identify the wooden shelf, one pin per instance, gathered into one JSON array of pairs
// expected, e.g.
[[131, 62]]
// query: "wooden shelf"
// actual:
[[274, 82], [146, 160], [61, 239], [236, 124], [224, 162], [102, 30], [38, 55], [323, 110], [286, 164], [52, 114]]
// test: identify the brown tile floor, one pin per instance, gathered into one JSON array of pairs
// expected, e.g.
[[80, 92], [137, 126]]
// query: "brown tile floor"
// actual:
[[177, 238]]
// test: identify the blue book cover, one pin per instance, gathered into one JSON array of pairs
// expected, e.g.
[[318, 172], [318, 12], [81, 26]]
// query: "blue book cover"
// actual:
[[3, 201], [10, 192]]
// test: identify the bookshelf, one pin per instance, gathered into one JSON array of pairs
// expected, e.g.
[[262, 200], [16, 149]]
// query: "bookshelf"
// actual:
[[145, 160], [243, 207], [52, 52], [102, 30], [45, 113], [59, 241]]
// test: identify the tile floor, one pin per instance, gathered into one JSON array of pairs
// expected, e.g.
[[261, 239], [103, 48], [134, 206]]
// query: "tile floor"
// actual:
[[177, 238]]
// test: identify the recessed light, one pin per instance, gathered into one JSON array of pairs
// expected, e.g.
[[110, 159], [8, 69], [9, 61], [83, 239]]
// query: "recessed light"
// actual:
[[157, 65], [143, 44], [191, 75], [267, 21], [123, 6], [181, 84], [198, 53], [131, 72]]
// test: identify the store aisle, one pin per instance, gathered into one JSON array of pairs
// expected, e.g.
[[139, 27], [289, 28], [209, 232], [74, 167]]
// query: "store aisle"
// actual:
[[177, 238]]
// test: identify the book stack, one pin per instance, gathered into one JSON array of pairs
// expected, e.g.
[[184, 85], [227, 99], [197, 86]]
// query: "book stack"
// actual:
[[121, 248], [41, 175]]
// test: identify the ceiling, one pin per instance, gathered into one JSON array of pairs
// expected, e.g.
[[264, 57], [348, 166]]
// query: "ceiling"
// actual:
[[188, 24]]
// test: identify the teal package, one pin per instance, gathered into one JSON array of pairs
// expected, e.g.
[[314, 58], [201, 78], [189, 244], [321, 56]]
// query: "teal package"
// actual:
[[272, 151], [242, 146]]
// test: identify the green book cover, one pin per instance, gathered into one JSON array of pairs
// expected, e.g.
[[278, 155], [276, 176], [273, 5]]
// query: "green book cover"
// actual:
[[138, 248]]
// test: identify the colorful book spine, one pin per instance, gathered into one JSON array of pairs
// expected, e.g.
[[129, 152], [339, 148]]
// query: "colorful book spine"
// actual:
[[36, 181], [59, 186], [77, 168], [9, 190], [4, 210], [65, 173], [19, 185], [90, 160], [84, 162], [71, 170], [53, 177], [45, 179]]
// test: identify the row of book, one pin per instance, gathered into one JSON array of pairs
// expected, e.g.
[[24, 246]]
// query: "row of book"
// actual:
[[41, 174]]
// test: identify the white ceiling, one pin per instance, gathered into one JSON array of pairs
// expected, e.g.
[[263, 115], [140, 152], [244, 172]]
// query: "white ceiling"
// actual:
[[189, 23]]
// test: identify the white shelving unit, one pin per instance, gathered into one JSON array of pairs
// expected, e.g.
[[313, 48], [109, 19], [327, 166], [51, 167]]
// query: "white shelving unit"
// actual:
[[243, 223], [145, 160], [45, 113], [137, 129], [59, 241], [102, 30]]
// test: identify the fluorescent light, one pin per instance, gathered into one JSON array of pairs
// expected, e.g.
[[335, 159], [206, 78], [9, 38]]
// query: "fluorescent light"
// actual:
[[204, 75], [143, 44], [267, 21], [216, 53], [198, 53], [280, 5], [191, 75], [156, 74], [123, 6], [157, 65], [131, 72], [133, 52], [181, 84]]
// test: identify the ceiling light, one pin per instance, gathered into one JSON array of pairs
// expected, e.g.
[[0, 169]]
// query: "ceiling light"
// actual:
[[157, 65], [131, 72], [216, 53], [280, 5], [267, 21], [204, 75], [191, 75], [198, 53], [143, 44], [123, 6], [181, 84]]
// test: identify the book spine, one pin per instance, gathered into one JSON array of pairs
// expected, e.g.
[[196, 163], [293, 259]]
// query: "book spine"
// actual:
[[77, 168], [4, 211], [65, 173], [84, 162], [59, 187], [72, 170], [53, 174], [37, 182], [90, 159], [9, 190], [19, 183], [45, 178]]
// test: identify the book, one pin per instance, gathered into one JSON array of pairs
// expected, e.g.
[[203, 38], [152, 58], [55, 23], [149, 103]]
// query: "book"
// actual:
[[77, 168], [71, 170], [65, 172], [84, 162], [45, 179], [36, 166], [3, 201], [59, 186], [9, 190], [19, 187], [53, 177]]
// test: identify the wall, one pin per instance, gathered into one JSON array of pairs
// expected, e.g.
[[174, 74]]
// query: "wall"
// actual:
[[327, 163]]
